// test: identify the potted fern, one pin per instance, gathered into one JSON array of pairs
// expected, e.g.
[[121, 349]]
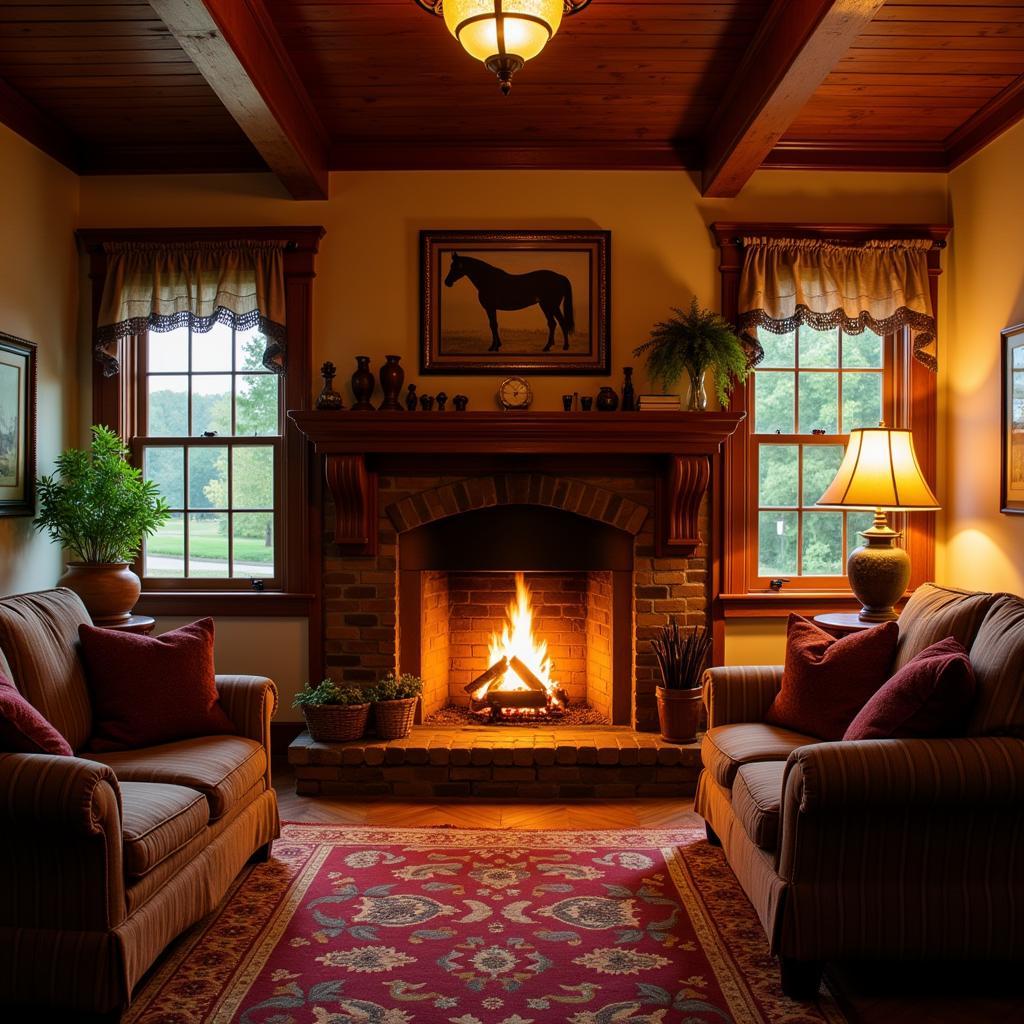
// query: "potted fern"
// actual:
[[694, 341], [333, 713], [682, 658], [394, 704], [99, 508]]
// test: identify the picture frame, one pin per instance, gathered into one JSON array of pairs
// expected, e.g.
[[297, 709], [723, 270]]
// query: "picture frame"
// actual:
[[494, 302], [1011, 490], [17, 426]]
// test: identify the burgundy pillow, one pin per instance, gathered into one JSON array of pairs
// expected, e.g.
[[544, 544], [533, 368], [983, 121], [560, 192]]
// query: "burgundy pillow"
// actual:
[[151, 689], [826, 681], [22, 729], [929, 696]]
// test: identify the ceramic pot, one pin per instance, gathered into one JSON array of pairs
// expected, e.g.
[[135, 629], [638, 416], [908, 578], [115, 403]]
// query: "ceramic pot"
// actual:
[[679, 714], [607, 400], [108, 590], [392, 377], [363, 383], [698, 393]]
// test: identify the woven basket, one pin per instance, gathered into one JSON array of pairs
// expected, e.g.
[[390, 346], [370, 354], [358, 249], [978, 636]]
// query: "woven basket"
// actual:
[[331, 723], [395, 717]]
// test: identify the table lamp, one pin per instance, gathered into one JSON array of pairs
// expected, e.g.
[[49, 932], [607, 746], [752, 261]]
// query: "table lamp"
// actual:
[[879, 471]]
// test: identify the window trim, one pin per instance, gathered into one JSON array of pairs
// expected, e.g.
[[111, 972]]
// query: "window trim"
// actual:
[[115, 404]]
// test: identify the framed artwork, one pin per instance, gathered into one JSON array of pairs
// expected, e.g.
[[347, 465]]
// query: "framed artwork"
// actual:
[[1012, 487], [17, 426], [508, 301]]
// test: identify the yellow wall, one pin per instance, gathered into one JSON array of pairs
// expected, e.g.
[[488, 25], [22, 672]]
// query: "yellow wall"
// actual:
[[39, 302]]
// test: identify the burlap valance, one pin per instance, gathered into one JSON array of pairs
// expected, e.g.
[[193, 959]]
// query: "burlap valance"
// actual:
[[881, 285], [163, 286]]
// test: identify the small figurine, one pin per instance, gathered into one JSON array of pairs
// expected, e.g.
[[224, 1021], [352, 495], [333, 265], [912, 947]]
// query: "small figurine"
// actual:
[[426, 402], [461, 401], [567, 403], [410, 398], [442, 401], [329, 400]]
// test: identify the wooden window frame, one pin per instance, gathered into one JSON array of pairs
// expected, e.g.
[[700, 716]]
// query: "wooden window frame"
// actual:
[[116, 404]]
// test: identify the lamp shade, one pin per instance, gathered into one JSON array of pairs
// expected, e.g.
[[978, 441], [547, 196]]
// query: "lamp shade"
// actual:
[[496, 28], [879, 470]]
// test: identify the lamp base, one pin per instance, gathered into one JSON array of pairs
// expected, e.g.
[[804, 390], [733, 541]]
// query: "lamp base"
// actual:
[[879, 572]]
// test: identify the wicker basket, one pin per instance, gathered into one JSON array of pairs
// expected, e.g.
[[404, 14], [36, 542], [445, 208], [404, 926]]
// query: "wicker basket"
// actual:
[[394, 717], [332, 723]]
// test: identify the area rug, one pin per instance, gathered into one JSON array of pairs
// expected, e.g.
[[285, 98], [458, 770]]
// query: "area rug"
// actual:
[[458, 926]]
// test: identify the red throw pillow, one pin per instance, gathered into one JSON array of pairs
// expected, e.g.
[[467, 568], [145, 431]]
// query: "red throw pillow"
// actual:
[[929, 696], [22, 729], [151, 689], [826, 681]]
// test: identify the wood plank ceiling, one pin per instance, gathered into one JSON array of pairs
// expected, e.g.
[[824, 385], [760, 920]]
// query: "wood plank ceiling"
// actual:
[[302, 86]]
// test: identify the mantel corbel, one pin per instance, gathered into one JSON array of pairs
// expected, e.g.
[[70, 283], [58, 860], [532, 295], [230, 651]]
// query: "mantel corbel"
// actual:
[[353, 490], [680, 491]]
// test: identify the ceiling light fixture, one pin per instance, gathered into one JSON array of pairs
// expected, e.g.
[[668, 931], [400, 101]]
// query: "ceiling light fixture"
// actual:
[[504, 34]]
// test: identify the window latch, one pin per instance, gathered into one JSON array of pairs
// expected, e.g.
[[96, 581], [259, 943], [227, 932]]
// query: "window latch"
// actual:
[[776, 584], [209, 433], [257, 585]]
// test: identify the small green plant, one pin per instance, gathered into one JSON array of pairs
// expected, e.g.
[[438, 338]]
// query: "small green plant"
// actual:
[[327, 691], [393, 687], [97, 505], [693, 341]]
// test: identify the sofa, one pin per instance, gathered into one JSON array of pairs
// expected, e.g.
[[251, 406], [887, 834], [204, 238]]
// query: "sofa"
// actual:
[[105, 858], [879, 849]]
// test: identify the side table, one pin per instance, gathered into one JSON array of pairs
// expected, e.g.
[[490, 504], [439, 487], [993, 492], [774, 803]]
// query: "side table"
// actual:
[[136, 624], [842, 623]]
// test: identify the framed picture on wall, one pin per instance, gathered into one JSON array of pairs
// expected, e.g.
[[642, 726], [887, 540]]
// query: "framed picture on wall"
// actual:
[[17, 426], [1012, 489], [505, 301]]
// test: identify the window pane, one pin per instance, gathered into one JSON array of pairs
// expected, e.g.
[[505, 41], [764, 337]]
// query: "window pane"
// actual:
[[773, 402], [253, 544], [211, 405], [256, 405], [208, 544], [819, 402], [166, 468], [212, 350], [252, 478], [862, 400], [779, 349], [776, 548], [819, 348], [856, 522], [823, 544], [164, 552], [208, 478], [167, 351], [820, 465], [862, 350], [249, 349], [167, 407], [778, 474]]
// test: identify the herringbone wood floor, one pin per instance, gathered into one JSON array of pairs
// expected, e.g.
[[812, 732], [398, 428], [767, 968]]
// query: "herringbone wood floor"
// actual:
[[869, 993]]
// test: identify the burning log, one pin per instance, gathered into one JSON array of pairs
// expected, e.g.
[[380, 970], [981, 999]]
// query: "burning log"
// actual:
[[496, 671], [516, 698], [527, 676]]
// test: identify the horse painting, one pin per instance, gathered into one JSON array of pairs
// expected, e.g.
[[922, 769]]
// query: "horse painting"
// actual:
[[496, 289]]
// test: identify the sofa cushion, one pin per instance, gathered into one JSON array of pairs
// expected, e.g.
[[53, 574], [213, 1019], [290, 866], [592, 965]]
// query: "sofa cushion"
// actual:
[[157, 820], [39, 642], [935, 612], [23, 730], [998, 659], [223, 768], [756, 799], [726, 748]]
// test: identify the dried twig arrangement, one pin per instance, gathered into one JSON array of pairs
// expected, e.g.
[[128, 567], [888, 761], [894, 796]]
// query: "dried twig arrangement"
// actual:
[[682, 655]]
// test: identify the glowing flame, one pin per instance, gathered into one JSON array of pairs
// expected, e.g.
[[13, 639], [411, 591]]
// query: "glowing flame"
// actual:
[[517, 640]]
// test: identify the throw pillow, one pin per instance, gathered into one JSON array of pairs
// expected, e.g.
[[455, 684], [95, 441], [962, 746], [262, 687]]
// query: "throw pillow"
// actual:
[[929, 696], [826, 681], [151, 689], [23, 730]]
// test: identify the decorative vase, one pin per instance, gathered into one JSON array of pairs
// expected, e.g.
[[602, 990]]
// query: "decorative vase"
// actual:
[[679, 714], [628, 394], [607, 400], [426, 402], [442, 400], [363, 383], [108, 590], [698, 393], [392, 376], [411, 400], [460, 402], [328, 400]]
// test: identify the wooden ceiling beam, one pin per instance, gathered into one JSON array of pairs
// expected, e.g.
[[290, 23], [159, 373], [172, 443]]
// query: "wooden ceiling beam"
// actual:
[[236, 48], [797, 45], [34, 126]]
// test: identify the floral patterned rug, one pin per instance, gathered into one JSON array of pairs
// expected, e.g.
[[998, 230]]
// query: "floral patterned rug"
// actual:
[[458, 926]]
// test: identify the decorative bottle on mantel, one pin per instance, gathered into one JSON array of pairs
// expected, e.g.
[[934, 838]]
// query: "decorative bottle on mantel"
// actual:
[[628, 394], [392, 377], [329, 400], [363, 383]]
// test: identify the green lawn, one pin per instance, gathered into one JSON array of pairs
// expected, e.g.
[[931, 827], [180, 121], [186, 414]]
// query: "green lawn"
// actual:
[[207, 543]]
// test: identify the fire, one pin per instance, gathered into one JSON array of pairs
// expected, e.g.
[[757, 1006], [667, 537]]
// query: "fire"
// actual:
[[517, 641]]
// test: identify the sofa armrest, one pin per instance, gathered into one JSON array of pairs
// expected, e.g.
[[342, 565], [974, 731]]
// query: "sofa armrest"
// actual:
[[250, 702], [740, 693]]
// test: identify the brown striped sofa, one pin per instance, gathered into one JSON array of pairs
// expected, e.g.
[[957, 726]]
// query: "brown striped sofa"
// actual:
[[105, 858], [879, 849]]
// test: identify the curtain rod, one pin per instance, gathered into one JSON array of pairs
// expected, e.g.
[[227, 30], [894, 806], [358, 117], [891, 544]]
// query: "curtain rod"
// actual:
[[937, 243]]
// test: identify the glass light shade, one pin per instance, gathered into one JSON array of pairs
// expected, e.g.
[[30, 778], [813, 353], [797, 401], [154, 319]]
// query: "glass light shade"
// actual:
[[524, 36], [879, 470]]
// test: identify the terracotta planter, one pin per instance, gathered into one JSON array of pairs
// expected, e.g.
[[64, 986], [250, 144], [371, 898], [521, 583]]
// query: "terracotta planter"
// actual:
[[679, 714], [108, 590]]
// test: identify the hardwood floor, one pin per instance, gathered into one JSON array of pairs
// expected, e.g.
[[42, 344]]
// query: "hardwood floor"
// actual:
[[869, 993]]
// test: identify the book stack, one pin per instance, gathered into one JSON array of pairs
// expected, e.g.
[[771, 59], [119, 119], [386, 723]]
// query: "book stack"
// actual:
[[658, 403]]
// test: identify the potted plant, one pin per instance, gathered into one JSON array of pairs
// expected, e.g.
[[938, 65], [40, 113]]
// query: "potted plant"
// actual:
[[99, 508], [682, 658], [333, 713], [394, 704], [695, 341]]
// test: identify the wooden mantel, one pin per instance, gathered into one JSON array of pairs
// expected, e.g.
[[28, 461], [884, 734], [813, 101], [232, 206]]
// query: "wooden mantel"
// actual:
[[686, 440]]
